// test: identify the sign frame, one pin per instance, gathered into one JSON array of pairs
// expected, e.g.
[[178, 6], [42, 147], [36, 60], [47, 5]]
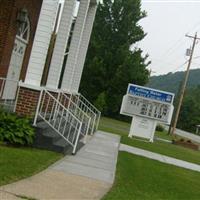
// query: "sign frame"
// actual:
[[144, 116], [147, 107], [150, 92]]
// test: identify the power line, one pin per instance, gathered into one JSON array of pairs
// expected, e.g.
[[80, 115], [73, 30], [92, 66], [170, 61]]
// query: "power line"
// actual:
[[179, 67], [196, 64], [173, 47], [162, 61], [196, 25], [178, 42], [197, 57]]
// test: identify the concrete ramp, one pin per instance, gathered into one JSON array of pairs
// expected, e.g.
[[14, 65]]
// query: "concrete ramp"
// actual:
[[87, 175], [96, 160]]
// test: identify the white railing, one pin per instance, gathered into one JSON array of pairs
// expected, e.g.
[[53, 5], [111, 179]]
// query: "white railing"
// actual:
[[59, 118], [8, 93], [66, 101], [83, 104], [89, 108]]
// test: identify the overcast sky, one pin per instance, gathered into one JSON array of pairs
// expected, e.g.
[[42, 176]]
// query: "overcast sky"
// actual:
[[166, 25]]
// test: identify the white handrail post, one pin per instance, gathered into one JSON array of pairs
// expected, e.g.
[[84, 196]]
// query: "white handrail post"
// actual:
[[16, 98], [78, 99], [87, 131], [38, 107], [77, 138], [85, 104], [69, 101], [99, 116], [77, 103], [56, 107], [93, 126]]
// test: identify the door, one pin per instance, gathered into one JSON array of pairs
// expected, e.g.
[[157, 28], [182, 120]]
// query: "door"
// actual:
[[16, 61], [14, 69]]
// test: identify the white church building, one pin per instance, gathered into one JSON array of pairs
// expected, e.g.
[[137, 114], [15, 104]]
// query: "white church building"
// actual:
[[62, 108]]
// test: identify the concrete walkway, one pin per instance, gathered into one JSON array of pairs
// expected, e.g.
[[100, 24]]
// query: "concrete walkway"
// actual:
[[191, 136], [159, 157], [185, 134], [88, 175]]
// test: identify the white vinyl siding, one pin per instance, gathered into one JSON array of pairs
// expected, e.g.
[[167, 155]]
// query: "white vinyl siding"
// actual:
[[41, 42], [61, 44], [83, 48], [75, 45]]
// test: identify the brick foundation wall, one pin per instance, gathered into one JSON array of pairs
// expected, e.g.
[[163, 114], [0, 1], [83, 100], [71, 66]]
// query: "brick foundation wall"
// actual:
[[8, 28], [27, 102]]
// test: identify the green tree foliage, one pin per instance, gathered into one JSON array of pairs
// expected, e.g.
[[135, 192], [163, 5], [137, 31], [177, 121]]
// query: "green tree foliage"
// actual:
[[110, 64], [190, 110]]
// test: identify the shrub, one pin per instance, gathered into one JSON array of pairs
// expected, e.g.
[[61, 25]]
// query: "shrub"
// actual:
[[15, 130], [100, 102], [160, 128]]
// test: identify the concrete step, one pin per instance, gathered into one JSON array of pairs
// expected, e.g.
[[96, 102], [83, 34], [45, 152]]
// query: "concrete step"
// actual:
[[47, 138]]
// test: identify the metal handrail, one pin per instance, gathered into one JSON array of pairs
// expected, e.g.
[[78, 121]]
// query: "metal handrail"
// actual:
[[76, 111], [51, 111], [86, 105], [89, 103]]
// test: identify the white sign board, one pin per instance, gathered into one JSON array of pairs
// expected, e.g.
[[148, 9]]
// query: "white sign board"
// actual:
[[147, 106], [151, 94], [142, 127], [149, 103]]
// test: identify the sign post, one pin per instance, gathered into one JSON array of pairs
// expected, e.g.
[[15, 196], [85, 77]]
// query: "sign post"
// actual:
[[146, 106]]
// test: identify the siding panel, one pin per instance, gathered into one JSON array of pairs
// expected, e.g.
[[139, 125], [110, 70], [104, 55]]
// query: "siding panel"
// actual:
[[39, 50]]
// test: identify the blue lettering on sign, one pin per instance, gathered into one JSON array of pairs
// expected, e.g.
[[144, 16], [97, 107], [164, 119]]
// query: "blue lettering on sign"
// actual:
[[150, 94]]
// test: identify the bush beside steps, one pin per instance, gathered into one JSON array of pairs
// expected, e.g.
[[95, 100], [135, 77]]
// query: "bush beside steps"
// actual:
[[15, 130]]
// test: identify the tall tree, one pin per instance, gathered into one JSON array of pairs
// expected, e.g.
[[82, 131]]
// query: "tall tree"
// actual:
[[111, 62], [189, 114]]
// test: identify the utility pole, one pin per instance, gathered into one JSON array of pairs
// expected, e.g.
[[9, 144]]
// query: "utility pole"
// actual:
[[195, 38]]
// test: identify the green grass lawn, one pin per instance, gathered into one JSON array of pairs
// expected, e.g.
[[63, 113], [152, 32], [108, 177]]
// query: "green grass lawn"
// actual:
[[18, 163], [142, 178], [122, 128]]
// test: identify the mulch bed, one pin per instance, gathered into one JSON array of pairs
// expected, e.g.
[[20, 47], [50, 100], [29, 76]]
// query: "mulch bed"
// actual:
[[186, 143]]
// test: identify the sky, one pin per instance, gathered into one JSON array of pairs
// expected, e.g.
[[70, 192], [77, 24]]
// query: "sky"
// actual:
[[166, 25]]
